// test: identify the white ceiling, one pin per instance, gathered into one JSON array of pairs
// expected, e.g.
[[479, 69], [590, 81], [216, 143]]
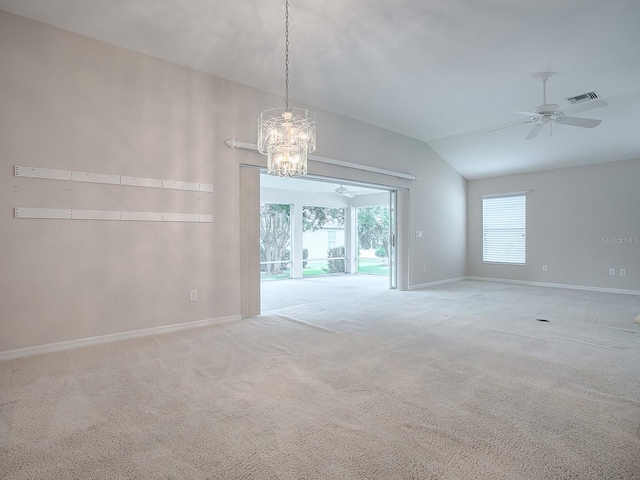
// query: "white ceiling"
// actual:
[[442, 71]]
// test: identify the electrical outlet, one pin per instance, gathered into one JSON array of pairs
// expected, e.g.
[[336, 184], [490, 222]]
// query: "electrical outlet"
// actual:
[[424, 268], [193, 295], [418, 234], [544, 268], [623, 272], [612, 272]]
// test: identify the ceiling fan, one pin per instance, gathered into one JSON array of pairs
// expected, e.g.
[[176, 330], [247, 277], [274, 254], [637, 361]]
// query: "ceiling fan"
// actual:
[[344, 192], [549, 113]]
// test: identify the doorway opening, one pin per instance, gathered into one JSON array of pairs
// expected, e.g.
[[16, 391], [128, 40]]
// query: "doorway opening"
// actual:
[[322, 239]]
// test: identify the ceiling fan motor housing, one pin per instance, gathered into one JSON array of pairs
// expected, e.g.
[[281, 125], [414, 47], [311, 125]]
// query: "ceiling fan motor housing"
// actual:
[[547, 109]]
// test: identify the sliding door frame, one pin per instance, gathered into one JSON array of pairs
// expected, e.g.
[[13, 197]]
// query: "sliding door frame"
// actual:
[[249, 203]]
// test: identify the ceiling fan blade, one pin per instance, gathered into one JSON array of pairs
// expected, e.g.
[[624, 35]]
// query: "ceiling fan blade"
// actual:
[[579, 122], [534, 131], [525, 112], [583, 107], [513, 124]]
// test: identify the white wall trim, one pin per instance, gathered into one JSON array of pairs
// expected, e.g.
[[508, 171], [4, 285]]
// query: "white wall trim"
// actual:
[[76, 214], [113, 337], [438, 282], [525, 282], [73, 176], [557, 285]]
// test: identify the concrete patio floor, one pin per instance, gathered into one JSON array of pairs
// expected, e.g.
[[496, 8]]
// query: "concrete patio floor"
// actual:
[[287, 293]]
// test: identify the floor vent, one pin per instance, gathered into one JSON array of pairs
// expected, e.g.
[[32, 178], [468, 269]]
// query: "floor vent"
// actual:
[[585, 97]]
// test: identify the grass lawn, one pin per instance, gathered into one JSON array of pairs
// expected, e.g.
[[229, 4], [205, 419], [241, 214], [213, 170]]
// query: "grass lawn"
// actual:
[[315, 268], [373, 266], [286, 274], [365, 265]]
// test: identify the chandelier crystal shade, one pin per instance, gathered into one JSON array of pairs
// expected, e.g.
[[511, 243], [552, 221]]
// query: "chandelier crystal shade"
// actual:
[[287, 135]]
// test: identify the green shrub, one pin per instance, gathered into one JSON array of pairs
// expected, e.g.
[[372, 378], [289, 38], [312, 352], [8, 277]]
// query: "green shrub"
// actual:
[[381, 252], [336, 266]]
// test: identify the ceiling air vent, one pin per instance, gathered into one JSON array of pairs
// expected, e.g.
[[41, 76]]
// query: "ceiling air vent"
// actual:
[[585, 97]]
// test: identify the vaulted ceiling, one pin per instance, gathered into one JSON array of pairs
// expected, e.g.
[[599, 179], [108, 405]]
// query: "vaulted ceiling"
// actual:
[[441, 71]]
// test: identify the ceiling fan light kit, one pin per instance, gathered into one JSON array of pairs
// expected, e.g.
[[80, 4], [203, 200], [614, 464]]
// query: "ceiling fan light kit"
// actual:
[[550, 113]]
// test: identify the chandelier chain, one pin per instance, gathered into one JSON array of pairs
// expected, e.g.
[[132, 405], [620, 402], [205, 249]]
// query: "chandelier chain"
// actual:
[[286, 56], [287, 135]]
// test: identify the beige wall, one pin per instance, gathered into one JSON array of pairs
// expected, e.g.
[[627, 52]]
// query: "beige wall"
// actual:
[[571, 213], [73, 103]]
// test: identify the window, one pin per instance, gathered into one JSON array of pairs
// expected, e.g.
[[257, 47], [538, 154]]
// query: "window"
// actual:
[[504, 229], [331, 237]]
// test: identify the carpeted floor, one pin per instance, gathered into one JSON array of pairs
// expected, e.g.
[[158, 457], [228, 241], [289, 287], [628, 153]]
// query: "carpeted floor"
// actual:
[[453, 382]]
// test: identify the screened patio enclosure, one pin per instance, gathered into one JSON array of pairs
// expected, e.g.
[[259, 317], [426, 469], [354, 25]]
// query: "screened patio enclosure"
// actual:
[[312, 229]]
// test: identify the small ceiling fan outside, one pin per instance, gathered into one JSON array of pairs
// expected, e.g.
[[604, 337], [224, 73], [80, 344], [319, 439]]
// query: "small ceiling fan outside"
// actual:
[[344, 192], [549, 113]]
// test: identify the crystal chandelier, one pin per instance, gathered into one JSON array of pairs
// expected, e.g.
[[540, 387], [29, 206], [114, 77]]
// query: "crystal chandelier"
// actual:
[[286, 135]]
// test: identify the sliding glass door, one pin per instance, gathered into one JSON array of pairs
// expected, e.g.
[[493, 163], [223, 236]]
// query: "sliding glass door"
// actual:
[[376, 239], [393, 239]]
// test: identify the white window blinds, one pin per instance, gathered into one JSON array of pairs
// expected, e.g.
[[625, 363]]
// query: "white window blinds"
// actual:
[[504, 229]]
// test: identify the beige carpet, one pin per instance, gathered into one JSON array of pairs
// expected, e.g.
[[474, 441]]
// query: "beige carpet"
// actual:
[[454, 382]]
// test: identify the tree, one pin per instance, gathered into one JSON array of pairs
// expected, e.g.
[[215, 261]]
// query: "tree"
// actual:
[[373, 228], [315, 218], [275, 236]]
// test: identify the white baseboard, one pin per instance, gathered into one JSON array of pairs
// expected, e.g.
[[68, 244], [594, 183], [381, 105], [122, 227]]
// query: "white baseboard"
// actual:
[[525, 282], [438, 282], [113, 337], [85, 342], [557, 285]]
